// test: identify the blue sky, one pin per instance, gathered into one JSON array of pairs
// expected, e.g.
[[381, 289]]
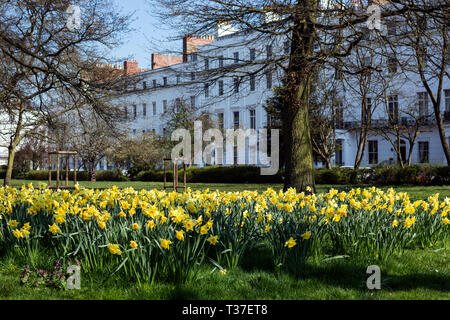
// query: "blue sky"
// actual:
[[147, 38]]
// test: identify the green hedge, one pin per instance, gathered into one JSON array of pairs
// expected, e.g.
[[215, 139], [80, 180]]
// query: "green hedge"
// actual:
[[213, 174], [413, 175], [81, 175], [15, 174]]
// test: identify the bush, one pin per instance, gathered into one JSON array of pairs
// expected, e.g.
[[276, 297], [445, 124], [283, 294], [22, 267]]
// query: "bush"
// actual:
[[213, 174], [115, 175], [440, 176], [332, 176], [387, 175], [15, 174], [81, 175], [153, 176]]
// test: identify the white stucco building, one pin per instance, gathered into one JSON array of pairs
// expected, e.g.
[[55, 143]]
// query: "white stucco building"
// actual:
[[235, 101]]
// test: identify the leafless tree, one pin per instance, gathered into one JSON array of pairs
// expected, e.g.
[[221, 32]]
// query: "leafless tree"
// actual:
[[182, 114], [31, 154], [142, 151], [317, 33], [425, 37], [46, 51]]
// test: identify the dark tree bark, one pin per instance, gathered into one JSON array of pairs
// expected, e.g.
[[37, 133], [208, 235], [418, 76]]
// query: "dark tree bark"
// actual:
[[299, 160]]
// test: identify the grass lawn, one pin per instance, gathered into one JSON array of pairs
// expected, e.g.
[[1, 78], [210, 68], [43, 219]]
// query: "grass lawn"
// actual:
[[415, 192], [417, 274]]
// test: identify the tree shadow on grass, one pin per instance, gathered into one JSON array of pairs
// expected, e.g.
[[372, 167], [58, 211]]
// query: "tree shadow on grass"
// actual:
[[258, 258], [181, 292], [349, 274], [353, 275]]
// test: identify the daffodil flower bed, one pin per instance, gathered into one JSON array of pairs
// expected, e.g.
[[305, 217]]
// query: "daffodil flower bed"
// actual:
[[168, 235]]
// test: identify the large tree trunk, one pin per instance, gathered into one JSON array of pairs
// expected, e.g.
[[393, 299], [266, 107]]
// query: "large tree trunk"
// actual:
[[299, 154], [10, 165], [12, 149], [299, 165], [91, 170]]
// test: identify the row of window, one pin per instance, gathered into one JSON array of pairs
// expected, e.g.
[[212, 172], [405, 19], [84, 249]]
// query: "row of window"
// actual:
[[393, 105], [237, 119], [393, 108], [236, 59], [236, 84], [423, 152], [154, 111], [220, 60], [221, 121]]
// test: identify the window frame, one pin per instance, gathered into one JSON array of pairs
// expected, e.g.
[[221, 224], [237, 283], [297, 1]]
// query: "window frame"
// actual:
[[372, 152]]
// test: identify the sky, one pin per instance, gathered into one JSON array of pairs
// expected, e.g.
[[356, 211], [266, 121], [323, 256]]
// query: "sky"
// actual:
[[147, 38]]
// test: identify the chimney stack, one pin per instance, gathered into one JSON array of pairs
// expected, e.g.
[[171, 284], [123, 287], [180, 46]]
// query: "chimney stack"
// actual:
[[192, 42], [131, 67]]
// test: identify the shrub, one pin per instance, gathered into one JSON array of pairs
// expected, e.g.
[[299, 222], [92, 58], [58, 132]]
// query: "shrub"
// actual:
[[15, 174], [382, 175], [440, 176], [332, 176], [153, 176], [213, 174], [81, 175], [115, 175]]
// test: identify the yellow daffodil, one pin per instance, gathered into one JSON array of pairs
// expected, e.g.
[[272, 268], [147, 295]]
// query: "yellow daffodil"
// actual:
[[306, 235], [179, 235], [13, 223], [122, 214], [114, 249], [290, 243], [204, 230], [212, 240], [17, 233], [133, 244], [165, 243], [151, 224], [135, 226], [54, 229]]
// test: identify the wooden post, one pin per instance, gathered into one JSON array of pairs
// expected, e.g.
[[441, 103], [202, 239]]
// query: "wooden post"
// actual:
[[49, 170], [75, 169], [67, 171], [184, 178], [57, 171], [175, 176], [165, 174]]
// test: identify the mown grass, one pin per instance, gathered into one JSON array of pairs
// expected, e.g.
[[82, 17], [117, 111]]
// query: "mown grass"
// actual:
[[416, 275], [415, 192]]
